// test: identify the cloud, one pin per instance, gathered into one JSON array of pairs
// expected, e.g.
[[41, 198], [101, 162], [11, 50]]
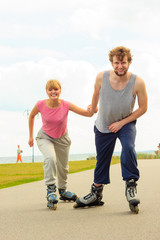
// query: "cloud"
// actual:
[[14, 131], [51, 19], [10, 55], [88, 21], [23, 84], [141, 18], [26, 82], [35, 6], [48, 39]]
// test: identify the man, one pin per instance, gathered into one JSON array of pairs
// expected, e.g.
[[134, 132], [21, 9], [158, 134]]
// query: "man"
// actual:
[[19, 156], [158, 148], [116, 91]]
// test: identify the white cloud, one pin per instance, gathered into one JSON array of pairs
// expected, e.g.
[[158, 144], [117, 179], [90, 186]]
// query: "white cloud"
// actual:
[[26, 82], [14, 131], [20, 54], [40, 36], [51, 19], [22, 6], [89, 21], [96, 20], [35, 6], [23, 84]]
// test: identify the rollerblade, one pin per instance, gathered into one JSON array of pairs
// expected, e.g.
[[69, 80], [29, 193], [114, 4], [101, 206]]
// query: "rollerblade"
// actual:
[[131, 195], [92, 199], [52, 197], [66, 195]]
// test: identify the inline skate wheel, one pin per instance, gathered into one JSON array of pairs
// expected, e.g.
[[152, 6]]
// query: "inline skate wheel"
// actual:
[[134, 209], [52, 206], [75, 205]]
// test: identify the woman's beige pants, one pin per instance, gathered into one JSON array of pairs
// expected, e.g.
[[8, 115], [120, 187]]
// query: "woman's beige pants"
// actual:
[[56, 155]]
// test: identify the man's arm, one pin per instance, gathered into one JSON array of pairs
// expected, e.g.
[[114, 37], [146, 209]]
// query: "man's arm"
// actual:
[[95, 98], [140, 91], [97, 88]]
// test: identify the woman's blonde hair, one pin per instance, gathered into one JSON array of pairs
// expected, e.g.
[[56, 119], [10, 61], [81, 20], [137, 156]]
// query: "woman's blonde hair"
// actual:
[[53, 84]]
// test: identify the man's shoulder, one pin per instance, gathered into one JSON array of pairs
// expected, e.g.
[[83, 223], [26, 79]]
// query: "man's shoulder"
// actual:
[[139, 80], [139, 84], [99, 78], [100, 75]]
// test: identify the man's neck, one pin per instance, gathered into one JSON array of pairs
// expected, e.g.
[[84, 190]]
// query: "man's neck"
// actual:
[[119, 82], [117, 78]]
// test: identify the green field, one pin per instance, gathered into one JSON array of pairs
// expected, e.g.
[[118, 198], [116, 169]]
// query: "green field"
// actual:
[[20, 173]]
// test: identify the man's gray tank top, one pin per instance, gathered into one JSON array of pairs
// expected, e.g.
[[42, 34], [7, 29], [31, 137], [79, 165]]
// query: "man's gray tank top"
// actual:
[[114, 105]]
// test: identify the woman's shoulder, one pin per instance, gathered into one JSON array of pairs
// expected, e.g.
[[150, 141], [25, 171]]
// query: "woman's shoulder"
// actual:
[[65, 103], [41, 103]]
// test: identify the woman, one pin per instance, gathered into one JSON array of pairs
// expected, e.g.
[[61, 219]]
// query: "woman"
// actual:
[[53, 140]]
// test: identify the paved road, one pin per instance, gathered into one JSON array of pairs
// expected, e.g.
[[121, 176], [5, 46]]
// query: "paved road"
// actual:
[[24, 215]]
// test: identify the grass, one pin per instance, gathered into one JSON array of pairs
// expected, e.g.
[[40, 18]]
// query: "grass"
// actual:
[[20, 173]]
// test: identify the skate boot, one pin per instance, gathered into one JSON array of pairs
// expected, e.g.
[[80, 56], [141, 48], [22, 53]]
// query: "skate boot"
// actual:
[[52, 197], [66, 195], [131, 195], [92, 199]]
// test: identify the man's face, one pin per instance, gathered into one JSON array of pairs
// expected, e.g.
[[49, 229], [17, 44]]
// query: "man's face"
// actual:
[[120, 67]]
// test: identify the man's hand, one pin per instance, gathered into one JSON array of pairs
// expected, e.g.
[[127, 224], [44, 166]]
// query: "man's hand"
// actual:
[[115, 127], [89, 108]]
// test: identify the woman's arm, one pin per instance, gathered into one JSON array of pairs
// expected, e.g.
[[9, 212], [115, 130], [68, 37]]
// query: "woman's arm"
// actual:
[[80, 111], [32, 115]]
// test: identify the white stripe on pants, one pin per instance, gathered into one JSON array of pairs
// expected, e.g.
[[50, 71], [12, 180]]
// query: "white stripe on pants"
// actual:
[[56, 155]]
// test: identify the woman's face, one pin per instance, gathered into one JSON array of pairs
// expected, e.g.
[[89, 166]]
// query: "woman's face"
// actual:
[[53, 93]]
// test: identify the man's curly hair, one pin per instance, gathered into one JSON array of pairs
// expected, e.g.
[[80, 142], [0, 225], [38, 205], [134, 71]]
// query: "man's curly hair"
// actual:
[[120, 53]]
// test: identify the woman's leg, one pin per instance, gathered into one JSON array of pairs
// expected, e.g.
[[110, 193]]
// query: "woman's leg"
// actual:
[[62, 146], [47, 149]]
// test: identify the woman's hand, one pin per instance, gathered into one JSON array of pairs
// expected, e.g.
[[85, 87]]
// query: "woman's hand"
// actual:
[[89, 108], [31, 142]]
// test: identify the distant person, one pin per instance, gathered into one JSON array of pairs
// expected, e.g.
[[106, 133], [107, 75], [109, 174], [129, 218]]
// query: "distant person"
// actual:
[[116, 90], [19, 155], [158, 148], [53, 140]]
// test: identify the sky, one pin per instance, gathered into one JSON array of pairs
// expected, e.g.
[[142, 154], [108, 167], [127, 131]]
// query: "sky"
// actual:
[[69, 40]]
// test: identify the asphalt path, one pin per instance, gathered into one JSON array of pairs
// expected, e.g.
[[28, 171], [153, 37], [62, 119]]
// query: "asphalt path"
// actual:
[[25, 216]]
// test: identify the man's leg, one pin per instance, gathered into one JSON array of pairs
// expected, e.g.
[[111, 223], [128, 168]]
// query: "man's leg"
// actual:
[[105, 143], [128, 156], [130, 172], [20, 158]]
